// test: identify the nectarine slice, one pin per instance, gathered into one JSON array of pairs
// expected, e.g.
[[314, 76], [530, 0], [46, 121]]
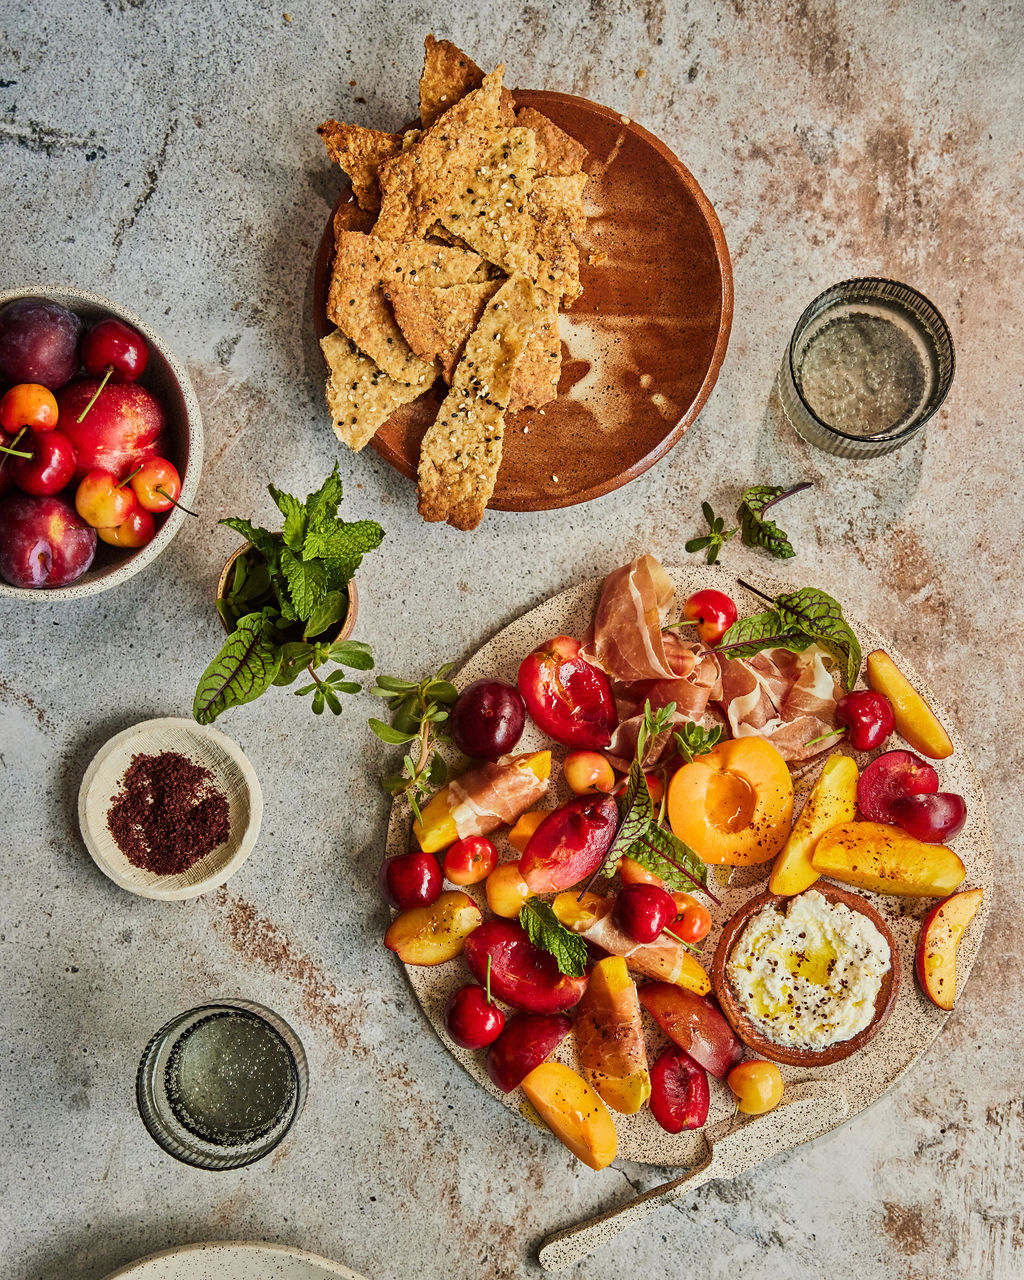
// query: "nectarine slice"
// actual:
[[573, 1112], [733, 805], [434, 934], [916, 723], [833, 800], [610, 1037], [526, 825], [935, 961], [874, 855]]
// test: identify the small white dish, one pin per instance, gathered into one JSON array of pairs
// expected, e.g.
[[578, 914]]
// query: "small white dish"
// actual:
[[232, 774], [232, 1260]]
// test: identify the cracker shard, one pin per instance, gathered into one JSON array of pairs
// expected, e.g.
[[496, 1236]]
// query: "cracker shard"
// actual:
[[448, 75], [461, 451], [489, 209], [558, 154], [360, 395], [360, 152], [357, 304], [437, 322]]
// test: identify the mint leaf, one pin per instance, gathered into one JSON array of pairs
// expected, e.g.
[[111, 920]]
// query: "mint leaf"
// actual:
[[246, 666], [545, 930], [757, 531], [262, 539], [322, 505], [294, 529], [342, 546], [330, 610], [821, 619], [307, 582]]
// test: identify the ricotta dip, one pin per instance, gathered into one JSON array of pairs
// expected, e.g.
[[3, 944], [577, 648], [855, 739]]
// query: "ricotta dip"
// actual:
[[808, 977]]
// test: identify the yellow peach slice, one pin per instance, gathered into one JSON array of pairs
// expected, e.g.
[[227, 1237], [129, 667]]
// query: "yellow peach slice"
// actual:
[[573, 1112], [434, 934], [437, 829], [833, 800], [916, 723], [874, 855], [733, 805], [935, 960], [527, 824]]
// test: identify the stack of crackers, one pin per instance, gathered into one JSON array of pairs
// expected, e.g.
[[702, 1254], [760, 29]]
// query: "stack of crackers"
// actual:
[[454, 262]]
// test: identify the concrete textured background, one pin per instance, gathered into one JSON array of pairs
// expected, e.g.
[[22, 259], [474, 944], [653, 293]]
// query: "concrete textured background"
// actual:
[[164, 154]]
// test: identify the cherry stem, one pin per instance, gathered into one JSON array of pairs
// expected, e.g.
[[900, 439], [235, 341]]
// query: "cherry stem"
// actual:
[[14, 445], [694, 951], [131, 475], [160, 489], [797, 488], [487, 982], [96, 396], [755, 591], [821, 738], [15, 453]]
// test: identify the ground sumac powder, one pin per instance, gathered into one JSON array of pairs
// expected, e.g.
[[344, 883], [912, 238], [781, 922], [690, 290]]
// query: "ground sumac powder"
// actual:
[[168, 814]]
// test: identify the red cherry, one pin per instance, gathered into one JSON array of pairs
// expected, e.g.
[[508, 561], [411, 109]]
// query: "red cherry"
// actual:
[[471, 1020], [714, 613], [28, 405], [115, 346], [643, 910], [410, 880], [868, 716], [49, 466], [932, 818], [136, 531], [157, 484]]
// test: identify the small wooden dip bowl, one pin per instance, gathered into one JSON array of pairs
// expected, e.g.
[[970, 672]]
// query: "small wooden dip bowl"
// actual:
[[741, 1022]]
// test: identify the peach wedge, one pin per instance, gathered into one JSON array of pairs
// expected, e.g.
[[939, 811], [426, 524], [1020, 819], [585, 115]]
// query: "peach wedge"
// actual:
[[832, 800], [432, 935], [916, 723], [573, 1112], [935, 962], [885, 859]]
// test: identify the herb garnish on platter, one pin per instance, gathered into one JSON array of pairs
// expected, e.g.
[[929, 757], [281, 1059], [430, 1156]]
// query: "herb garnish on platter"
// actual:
[[640, 835], [545, 930], [716, 539], [419, 714], [796, 620], [286, 591]]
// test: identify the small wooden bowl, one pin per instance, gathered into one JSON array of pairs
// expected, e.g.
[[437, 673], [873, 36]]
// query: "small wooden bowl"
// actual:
[[232, 774], [739, 1019], [348, 623]]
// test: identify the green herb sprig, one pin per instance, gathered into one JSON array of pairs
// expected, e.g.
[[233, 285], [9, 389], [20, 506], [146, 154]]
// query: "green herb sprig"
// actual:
[[419, 720], [716, 539], [545, 930], [694, 740], [796, 620], [285, 592], [756, 530], [640, 835]]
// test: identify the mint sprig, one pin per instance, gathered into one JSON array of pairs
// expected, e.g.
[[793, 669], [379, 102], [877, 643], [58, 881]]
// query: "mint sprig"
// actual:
[[715, 539], [296, 583], [545, 930]]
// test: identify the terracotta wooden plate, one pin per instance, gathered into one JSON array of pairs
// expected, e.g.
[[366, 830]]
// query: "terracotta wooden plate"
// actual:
[[642, 347], [737, 1015], [914, 1021]]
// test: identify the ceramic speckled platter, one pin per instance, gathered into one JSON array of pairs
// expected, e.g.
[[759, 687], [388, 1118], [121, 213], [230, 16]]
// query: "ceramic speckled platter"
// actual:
[[914, 1022], [232, 1260], [641, 348]]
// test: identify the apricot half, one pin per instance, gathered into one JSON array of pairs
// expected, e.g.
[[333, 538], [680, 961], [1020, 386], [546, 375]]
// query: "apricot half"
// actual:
[[733, 805], [573, 1112]]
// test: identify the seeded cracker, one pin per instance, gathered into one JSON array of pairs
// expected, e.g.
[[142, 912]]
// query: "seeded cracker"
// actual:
[[557, 153], [419, 180], [448, 75], [461, 451], [490, 210], [356, 301], [360, 152], [349, 217], [535, 381], [437, 322], [360, 396]]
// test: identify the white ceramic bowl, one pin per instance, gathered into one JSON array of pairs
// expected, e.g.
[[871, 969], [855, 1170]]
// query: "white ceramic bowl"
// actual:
[[168, 379]]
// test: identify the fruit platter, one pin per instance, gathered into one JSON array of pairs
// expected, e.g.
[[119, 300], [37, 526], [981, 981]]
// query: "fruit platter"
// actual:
[[481, 983]]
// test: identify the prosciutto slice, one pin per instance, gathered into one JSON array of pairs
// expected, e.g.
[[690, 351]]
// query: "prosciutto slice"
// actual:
[[626, 638], [787, 698], [610, 1035], [494, 794], [665, 959]]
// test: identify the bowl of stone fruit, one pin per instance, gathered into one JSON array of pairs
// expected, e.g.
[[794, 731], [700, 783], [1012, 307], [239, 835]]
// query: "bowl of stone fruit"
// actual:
[[101, 443]]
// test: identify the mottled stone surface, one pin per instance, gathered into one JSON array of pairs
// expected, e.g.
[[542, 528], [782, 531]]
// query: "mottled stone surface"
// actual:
[[164, 154]]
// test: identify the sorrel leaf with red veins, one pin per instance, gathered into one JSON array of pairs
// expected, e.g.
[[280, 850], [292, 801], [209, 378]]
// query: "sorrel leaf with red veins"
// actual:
[[246, 666]]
